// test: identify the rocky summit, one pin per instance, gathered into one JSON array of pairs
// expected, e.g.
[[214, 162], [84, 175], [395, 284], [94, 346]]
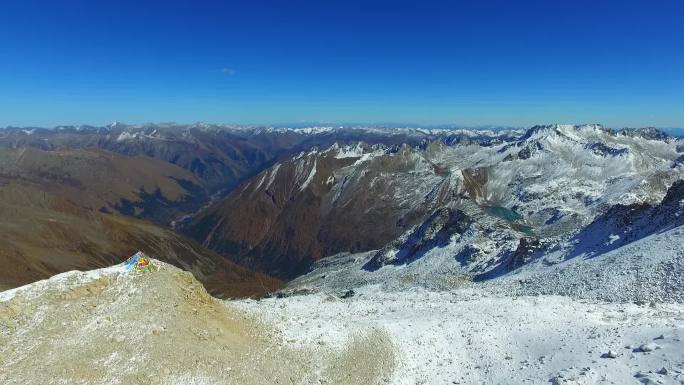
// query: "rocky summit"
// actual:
[[160, 326]]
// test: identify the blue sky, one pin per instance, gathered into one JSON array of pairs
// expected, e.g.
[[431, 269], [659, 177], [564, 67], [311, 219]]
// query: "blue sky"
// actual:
[[487, 62]]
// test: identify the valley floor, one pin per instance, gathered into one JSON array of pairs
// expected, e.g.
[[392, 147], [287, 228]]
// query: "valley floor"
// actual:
[[466, 337]]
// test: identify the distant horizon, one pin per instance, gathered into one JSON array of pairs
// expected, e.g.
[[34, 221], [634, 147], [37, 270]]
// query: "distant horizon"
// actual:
[[325, 123], [388, 125]]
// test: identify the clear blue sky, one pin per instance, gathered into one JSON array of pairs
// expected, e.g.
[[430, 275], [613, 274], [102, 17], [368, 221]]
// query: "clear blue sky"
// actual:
[[519, 63]]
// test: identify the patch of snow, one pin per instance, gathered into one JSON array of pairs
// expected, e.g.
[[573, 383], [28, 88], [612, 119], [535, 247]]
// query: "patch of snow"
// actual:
[[314, 130], [8, 294], [647, 270], [349, 151], [612, 238], [309, 178], [58, 280], [126, 136], [272, 175]]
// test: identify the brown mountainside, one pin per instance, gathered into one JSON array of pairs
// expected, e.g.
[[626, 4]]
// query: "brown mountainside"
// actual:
[[318, 204], [58, 211]]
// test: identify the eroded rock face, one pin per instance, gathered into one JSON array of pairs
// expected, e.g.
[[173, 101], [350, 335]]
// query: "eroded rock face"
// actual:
[[524, 252], [675, 195], [436, 231]]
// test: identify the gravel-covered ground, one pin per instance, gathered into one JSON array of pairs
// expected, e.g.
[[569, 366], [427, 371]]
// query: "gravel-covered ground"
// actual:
[[119, 328]]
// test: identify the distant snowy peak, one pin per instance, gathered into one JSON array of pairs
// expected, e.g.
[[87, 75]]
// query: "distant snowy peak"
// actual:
[[647, 133], [360, 150], [568, 131], [298, 172], [116, 125], [126, 136], [579, 132]]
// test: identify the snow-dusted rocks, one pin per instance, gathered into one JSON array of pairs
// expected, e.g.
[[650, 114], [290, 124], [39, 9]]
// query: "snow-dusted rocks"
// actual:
[[437, 231], [649, 347]]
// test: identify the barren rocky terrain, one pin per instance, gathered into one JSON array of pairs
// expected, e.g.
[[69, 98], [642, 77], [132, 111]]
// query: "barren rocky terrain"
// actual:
[[125, 327]]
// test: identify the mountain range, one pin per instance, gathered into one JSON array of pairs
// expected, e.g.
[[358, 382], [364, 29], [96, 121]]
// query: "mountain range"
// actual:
[[258, 205]]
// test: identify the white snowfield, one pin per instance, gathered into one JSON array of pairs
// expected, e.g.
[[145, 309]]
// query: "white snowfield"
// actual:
[[466, 337]]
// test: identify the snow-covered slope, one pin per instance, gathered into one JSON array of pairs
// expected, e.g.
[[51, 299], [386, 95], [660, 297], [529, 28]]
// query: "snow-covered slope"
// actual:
[[612, 318], [648, 270], [544, 190], [517, 195], [466, 337]]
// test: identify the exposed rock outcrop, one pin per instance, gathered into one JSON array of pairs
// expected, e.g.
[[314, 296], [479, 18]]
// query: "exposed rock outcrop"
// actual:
[[436, 231]]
